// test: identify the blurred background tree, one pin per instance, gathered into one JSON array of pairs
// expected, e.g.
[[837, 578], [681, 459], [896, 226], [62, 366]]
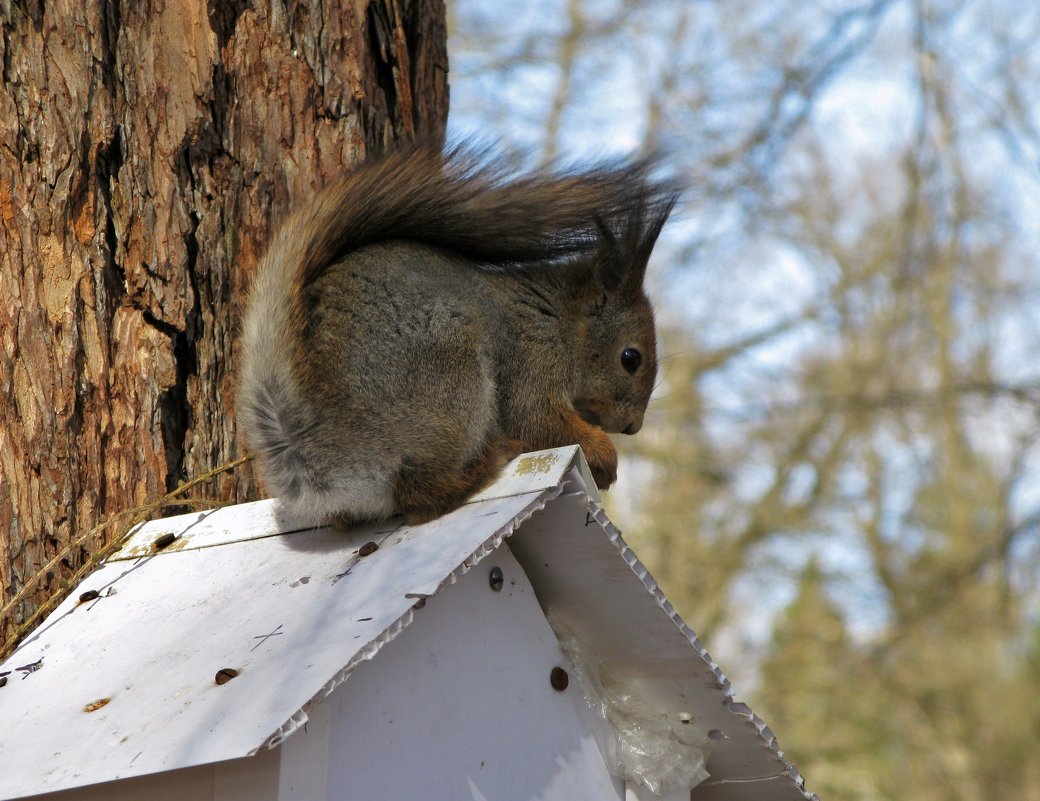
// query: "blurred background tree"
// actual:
[[839, 484]]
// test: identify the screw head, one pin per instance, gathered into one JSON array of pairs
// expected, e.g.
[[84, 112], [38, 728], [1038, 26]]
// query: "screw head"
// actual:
[[164, 541], [368, 549], [496, 579], [224, 675], [559, 679]]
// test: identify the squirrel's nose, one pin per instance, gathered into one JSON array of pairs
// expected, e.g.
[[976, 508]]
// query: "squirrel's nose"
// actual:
[[633, 427]]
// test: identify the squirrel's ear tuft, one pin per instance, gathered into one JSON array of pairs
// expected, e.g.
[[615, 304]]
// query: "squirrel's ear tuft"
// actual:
[[625, 243], [652, 222], [610, 257]]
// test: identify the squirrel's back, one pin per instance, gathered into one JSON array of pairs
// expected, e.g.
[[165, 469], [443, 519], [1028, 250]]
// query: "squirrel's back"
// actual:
[[457, 202]]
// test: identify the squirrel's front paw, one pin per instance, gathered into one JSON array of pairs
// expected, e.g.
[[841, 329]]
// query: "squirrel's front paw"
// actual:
[[602, 458], [604, 474], [595, 444]]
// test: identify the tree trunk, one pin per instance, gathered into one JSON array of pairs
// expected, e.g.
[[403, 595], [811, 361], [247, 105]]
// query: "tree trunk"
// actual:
[[146, 151]]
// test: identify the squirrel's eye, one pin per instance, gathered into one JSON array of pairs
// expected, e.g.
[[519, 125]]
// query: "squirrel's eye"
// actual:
[[631, 359]]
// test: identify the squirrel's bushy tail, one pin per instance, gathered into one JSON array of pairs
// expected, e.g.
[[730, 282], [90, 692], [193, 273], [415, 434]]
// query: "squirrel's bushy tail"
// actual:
[[466, 202], [460, 200]]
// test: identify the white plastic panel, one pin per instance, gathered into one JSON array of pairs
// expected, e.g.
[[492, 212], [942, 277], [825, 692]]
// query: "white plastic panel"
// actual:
[[591, 582], [126, 685], [460, 707]]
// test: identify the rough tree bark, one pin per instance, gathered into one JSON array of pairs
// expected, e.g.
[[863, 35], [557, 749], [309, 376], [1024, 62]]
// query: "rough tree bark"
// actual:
[[146, 149]]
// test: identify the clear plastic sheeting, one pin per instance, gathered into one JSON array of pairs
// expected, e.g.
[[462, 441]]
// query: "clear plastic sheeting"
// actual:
[[663, 751]]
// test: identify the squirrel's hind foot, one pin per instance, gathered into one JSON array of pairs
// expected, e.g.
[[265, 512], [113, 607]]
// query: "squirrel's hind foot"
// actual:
[[425, 493]]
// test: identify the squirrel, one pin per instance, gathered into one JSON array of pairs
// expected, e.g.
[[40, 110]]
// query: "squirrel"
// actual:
[[433, 314]]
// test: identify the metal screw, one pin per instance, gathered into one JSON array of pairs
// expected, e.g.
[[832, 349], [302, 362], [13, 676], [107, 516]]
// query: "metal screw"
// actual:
[[224, 675], [367, 549], [496, 579], [164, 540], [559, 679]]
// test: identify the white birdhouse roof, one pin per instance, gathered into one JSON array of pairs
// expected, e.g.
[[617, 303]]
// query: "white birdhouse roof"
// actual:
[[217, 644]]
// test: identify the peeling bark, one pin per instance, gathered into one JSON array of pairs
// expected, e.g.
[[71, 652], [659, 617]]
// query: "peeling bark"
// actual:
[[146, 149]]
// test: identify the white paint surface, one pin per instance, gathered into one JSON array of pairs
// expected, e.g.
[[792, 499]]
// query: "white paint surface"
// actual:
[[591, 582], [460, 707], [293, 614]]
